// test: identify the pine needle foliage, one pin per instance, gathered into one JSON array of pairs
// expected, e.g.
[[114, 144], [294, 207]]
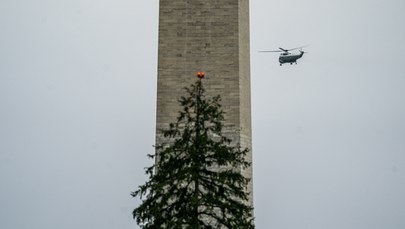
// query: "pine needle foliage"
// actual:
[[196, 181]]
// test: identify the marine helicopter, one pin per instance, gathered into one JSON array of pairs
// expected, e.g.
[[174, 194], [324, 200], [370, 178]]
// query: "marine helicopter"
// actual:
[[287, 57]]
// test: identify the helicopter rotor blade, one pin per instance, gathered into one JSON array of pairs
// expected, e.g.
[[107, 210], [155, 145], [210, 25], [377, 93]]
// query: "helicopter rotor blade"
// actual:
[[285, 50], [301, 47], [270, 51]]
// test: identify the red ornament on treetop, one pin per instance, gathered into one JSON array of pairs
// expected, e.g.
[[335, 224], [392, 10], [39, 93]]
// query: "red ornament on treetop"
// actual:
[[200, 75]]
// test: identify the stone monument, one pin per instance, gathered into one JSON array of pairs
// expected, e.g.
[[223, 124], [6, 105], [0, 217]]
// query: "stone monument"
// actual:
[[210, 36]]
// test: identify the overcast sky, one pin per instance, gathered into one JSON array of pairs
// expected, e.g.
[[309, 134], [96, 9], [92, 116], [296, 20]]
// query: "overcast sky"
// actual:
[[77, 112]]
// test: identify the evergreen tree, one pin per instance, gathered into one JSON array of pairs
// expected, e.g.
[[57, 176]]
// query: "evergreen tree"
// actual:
[[196, 181]]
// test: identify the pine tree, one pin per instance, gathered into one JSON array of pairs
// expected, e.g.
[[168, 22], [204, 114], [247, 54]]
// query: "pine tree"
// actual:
[[196, 181]]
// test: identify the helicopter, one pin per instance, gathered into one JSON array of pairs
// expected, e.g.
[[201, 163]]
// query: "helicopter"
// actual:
[[287, 57]]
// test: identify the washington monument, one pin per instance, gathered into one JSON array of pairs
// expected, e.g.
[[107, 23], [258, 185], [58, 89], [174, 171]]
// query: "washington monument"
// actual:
[[210, 36]]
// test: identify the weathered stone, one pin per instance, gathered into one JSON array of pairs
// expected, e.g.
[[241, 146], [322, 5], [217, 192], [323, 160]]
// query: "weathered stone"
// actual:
[[210, 36]]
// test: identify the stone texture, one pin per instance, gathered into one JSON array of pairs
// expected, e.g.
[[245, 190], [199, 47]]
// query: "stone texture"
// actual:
[[210, 36]]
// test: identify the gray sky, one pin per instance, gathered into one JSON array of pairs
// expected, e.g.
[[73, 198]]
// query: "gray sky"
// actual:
[[77, 102]]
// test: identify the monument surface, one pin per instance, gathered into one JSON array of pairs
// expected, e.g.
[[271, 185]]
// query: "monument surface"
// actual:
[[210, 36]]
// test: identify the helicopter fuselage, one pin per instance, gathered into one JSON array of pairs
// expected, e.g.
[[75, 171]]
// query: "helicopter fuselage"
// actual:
[[287, 57]]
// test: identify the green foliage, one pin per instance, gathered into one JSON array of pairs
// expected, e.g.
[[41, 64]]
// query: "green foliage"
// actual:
[[196, 181]]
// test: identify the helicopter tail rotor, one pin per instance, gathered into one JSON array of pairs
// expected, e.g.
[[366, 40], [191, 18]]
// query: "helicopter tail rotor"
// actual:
[[302, 51]]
